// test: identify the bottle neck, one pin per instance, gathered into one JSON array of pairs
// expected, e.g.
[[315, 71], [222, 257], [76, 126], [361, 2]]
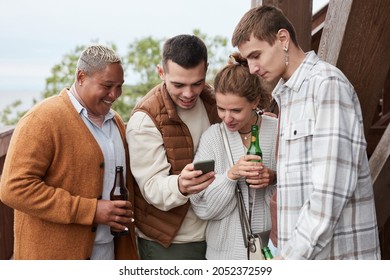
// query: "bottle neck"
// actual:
[[255, 134], [254, 147]]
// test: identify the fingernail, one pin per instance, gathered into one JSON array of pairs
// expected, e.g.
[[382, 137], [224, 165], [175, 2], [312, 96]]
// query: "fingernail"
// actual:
[[132, 220], [126, 229]]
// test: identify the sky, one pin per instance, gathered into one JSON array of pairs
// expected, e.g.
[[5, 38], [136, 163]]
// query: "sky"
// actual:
[[36, 34]]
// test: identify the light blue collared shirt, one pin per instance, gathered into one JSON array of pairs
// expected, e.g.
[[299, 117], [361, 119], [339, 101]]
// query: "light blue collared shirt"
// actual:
[[109, 139]]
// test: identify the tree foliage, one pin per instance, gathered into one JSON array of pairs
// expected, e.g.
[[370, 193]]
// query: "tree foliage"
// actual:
[[7, 117], [63, 73], [140, 64]]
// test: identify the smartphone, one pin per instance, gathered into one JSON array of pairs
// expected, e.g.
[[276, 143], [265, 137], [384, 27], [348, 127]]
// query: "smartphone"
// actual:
[[206, 165]]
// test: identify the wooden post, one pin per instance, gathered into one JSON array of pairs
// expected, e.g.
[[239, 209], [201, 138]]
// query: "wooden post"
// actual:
[[6, 213], [356, 39], [299, 12], [255, 3], [380, 166]]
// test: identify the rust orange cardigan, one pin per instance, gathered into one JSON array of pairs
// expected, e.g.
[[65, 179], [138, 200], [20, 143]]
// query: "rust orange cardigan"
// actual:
[[53, 178]]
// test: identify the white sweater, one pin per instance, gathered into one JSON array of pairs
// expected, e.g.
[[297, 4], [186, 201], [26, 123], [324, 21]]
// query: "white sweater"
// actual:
[[218, 203]]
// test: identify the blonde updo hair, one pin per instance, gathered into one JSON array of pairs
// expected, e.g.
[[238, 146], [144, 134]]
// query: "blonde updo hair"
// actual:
[[235, 78]]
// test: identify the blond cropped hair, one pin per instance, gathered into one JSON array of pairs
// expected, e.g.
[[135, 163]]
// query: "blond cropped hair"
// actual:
[[95, 58]]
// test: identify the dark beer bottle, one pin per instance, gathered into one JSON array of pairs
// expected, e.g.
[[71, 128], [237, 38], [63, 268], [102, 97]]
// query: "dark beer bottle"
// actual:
[[119, 192], [267, 253], [254, 147]]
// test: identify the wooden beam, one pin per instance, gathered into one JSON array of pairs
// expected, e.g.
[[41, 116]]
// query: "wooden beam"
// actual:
[[356, 39], [317, 25], [6, 213], [299, 12], [379, 166], [6, 232], [256, 3], [334, 29], [5, 138]]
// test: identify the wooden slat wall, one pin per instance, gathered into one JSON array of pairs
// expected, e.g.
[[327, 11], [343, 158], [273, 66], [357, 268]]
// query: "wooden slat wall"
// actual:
[[379, 162], [317, 26], [356, 39], [6, 232], [381, 118], [6, 213], [299, 12], [380, 166]]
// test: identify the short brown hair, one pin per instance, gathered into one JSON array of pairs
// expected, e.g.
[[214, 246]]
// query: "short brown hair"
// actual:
[[263, 22], [186, 50]]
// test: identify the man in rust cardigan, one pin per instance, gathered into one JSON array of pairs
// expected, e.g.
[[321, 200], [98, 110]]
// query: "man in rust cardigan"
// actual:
[[60, 168]]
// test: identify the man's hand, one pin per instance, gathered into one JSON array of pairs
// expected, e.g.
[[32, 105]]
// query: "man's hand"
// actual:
[[192, 181], [116, 214], [265, 178]]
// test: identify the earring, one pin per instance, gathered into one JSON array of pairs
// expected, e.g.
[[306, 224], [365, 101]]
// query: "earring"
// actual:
[[259, 111], [286, 56]]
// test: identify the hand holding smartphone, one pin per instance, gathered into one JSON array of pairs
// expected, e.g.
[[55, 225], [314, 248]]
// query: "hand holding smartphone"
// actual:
[[206, 165]]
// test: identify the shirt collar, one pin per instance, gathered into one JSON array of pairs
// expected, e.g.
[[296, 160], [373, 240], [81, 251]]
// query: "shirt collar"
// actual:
[[299, 76], [82, 110]]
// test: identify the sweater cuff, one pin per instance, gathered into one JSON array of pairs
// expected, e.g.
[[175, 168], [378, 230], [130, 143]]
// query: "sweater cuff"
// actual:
[[174, 184], [86, 211]]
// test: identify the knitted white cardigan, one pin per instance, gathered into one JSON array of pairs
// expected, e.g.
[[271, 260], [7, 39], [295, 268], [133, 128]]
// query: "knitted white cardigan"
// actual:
[[218, 204]]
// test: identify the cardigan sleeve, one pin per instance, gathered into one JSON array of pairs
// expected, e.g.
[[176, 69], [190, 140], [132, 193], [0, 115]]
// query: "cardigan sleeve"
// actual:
[[31, 185], [218, 199]]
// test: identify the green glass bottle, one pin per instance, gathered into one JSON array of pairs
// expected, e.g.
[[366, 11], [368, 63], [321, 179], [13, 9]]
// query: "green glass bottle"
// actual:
[[267, 253], [254, 147]]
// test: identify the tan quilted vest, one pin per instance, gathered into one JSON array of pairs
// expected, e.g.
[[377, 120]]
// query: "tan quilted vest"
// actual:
[[162, 226]]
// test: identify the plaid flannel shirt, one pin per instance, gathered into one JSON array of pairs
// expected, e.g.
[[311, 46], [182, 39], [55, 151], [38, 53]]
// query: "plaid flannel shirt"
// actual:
[[325, 197]]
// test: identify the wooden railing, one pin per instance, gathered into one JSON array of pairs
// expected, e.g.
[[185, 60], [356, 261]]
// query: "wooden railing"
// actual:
[[6, 213]]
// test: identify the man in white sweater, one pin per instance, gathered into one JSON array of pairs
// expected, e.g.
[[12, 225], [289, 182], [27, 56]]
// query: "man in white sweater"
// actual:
[[163, 133]]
